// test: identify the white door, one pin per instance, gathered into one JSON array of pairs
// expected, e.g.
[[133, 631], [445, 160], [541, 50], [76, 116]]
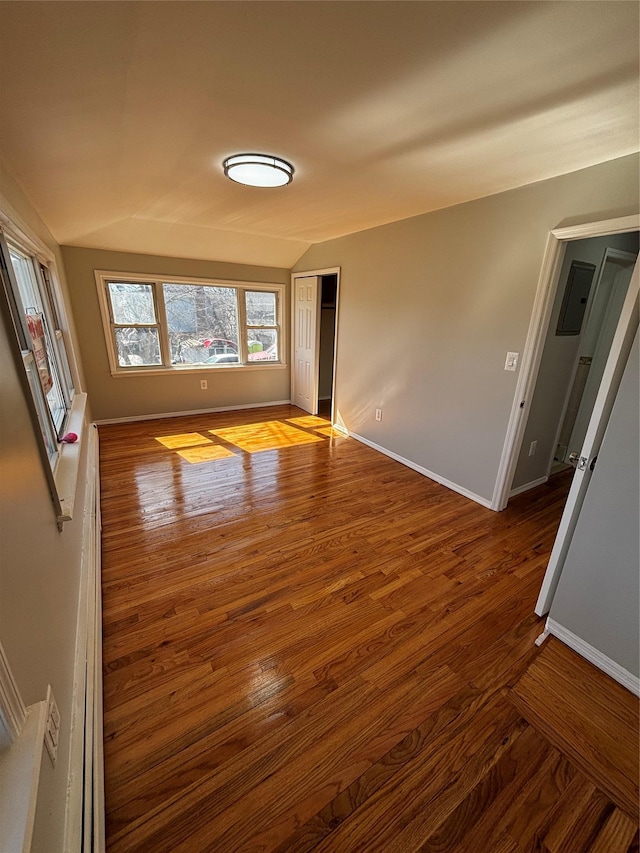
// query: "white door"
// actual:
[[618, 355], [306, 342]]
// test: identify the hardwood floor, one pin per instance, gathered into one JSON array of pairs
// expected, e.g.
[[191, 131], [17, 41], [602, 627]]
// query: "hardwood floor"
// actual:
[[312, 647]]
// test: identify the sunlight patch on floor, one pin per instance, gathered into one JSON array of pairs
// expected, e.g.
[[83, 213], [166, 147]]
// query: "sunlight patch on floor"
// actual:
[[269, 435], [185, 439], [194, 455]]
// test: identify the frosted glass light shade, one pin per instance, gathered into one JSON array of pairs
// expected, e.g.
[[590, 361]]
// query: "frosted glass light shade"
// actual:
[[258, 170]]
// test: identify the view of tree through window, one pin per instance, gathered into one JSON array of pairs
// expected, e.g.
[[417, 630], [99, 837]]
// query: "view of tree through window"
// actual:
[[202, 321], [134, 315]]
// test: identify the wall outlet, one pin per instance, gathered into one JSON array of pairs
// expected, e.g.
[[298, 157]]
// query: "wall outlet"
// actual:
[[378, 414], [203, 384], [52, 726], [532, 448]]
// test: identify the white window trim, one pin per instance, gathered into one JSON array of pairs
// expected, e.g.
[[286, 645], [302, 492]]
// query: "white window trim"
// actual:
[[61, 470], [102, 278]]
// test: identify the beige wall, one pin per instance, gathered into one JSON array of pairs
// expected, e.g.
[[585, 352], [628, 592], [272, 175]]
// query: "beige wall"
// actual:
[[39, 566], [429, 307], [556, 366], [132, 396]]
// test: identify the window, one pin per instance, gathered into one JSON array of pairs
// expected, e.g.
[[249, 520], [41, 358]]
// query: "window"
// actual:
[[35, 317], [174, 324]]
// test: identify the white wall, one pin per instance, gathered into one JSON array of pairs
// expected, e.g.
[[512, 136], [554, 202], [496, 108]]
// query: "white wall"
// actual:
[[598, 596], [558, 358], [39, 567], [429, 307]]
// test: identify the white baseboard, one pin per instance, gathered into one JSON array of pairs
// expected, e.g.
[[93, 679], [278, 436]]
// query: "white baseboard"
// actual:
[[84, 819], [525, 488], [597, 658], [159, 415], [424, 471]]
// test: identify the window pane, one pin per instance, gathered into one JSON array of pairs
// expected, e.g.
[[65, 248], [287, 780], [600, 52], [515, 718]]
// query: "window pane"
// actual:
[[261, 308], [132, 303], [27, 283], [263, 345], [45, 428], [34, 304], [202, 322], [137, 347]]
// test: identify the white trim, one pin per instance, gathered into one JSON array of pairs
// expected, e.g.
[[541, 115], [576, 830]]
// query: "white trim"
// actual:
[[65, 473], [303, 274], [13, 224], [601, 228], [538, 325], [13, 713], [424, 471], [325, 271], [102, 278], [85, 786], [160, 415], [594, 656], [198, 368], [19, 782], [525, 488], [99, 831]]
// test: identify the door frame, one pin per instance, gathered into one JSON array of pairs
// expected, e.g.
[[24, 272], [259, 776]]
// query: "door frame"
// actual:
[[305, 274], [538, 326]]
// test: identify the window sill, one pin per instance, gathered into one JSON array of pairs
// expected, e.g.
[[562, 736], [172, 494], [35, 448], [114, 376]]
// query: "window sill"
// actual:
[[19, 780], [196, 368], [67, 467]]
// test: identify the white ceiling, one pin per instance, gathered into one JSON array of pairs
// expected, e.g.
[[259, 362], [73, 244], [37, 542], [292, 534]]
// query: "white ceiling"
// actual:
[[115, 116]]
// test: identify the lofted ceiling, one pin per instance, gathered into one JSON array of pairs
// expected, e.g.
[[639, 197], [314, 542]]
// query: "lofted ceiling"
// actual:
[[115, 116]]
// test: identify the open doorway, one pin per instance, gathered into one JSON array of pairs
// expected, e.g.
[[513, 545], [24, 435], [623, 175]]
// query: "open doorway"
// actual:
[[314, 334], [550, 303], [591, 290], [328, 298]]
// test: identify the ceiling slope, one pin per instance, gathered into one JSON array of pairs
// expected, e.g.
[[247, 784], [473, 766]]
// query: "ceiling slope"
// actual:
[[116, 116]]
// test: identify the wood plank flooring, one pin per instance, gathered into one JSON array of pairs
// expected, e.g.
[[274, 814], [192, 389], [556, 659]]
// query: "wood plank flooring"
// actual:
[[312, 647]]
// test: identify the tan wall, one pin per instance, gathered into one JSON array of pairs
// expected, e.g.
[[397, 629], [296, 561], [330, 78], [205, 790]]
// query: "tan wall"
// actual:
[[132, 396], [39, 567], [556, 366], [429, 307]]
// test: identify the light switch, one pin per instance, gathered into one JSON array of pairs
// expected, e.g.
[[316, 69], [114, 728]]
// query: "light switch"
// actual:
[[512, 360]]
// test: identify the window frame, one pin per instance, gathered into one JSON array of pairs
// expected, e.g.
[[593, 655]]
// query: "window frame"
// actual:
[[56, 355], [51, 431], [104, 277], [60, 461]]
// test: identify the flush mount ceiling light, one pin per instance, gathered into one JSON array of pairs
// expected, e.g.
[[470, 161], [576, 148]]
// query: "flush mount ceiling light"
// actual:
[[258, 170]]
